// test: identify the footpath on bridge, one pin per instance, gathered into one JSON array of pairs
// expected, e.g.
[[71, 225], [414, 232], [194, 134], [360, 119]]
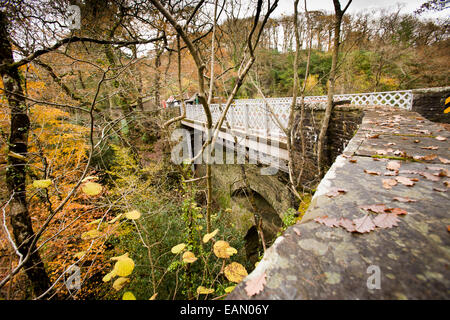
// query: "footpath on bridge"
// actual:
[[378, 226]]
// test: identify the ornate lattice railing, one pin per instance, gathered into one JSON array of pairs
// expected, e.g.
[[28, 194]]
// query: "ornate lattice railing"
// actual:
[[253, 117]]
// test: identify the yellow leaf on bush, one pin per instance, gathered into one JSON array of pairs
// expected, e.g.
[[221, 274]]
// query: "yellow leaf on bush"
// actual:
[[209, 236], [79, 255], [128, 296], [203, 290], [91, 234], [124, 267], [235, 272], [42, 183], [229, 289], [189, 257], [116, 218], [91, 188], [178, 248], [120, 257], [133, 215], [109, 276], [120, 283], [223, 250]]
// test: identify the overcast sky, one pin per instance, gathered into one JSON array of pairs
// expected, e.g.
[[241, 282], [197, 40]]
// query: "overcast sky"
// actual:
[[287, 6]]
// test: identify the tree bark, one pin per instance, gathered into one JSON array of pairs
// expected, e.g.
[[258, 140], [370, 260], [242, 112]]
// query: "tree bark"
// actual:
[[16, 171]]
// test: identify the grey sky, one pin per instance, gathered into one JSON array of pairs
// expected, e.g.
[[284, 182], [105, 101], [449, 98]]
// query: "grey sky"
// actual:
[[287, 6]]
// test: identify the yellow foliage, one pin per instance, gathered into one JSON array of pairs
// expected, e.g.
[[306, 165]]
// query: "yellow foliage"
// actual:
[[189, 257], [178, 248], [133, 215], [128, 296], [124, 267], [42, 183], [223, 250], [203, 290], [209, 236], [91, 188], [235, 272], [120, 283]]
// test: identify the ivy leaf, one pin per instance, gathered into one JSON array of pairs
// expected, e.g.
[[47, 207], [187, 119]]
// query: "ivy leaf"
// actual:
[[235, 272], [255, 285]]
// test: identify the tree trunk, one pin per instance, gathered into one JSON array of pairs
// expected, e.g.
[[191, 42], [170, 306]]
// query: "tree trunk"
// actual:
[[16, 171], [331, 82]]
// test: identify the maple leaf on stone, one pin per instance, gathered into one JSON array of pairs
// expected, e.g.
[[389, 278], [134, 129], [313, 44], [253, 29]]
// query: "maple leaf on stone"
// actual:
[[393, 165], [386, 220], [389, 183], [374, 173], [347, 224], [397, 211], [376, 208], [364, 224], [429, 176], [329, 222], [405, 181], [404, 199], [335, 192], [255, 285]]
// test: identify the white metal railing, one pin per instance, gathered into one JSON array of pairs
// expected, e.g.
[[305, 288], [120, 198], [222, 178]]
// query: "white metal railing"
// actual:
[[252, 116]]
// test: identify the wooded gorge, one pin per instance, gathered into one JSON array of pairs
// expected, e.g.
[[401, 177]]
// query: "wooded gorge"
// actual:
[[92, 205]]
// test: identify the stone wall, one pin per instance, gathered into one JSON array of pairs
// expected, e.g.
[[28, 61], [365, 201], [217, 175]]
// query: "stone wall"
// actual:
[[344, 122], [430, 103]]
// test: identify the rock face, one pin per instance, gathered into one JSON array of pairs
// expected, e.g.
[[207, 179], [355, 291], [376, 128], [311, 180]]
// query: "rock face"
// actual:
[[430, 103], [408, 261]]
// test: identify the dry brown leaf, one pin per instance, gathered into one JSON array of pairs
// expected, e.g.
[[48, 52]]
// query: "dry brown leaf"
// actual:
[[382, 152], [335, 192], [440, 190], [364, 224], [255, 285], [391, 173], [405, 181], [376, 208], [374, 173], [347, 224], [386, 220], [444, 161], [393, 165], [429, 176], [430, 147], [352, 160], [375, 136], [441, 138], [389, 183], [397, 211], [404, 199], [329, 222]]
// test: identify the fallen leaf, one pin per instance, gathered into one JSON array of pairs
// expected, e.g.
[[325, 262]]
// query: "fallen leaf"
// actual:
[[91, 188], [375, 136], [133, 215], [444, 161], [120, 283], [297, 231], [374, 173], [347, 224], [329, 222], [440, 190], [391, 173], [382, 152], [431, 147], [389, 183], [416, 141], [428, 157], [255, 285], [386, 220], [441, 138], [429, 176], [376, 208], [404, 199], [335, 192], [352, 160], [397, 211], [405, 181], [393, 165], [364, 224]]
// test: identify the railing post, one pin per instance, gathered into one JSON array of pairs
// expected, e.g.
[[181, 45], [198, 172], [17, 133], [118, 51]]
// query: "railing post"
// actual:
[[246, 118], [267, 120]]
